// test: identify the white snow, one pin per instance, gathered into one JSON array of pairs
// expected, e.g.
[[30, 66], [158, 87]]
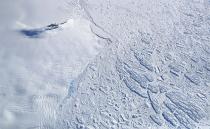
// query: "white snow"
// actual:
[[104, 64], [36, 72]]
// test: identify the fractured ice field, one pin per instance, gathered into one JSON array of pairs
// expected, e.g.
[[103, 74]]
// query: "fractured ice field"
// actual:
[[105, 64]]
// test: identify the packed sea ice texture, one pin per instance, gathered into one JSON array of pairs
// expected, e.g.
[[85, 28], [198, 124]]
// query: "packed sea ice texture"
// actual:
[[155, 72]]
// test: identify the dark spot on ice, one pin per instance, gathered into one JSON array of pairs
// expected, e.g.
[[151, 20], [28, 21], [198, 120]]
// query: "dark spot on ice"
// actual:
[[36, 33], [52, 27]]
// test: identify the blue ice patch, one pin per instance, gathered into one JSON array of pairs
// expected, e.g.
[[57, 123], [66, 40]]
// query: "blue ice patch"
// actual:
[[34, 33]]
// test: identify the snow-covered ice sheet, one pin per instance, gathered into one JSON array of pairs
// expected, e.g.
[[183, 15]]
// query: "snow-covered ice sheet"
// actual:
[[105, 64]]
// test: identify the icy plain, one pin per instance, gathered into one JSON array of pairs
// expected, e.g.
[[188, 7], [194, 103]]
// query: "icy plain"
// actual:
[[105, 64]]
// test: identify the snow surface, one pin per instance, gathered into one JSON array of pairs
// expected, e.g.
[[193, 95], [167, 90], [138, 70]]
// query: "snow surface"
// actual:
[[105, 64], [36, 72]]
